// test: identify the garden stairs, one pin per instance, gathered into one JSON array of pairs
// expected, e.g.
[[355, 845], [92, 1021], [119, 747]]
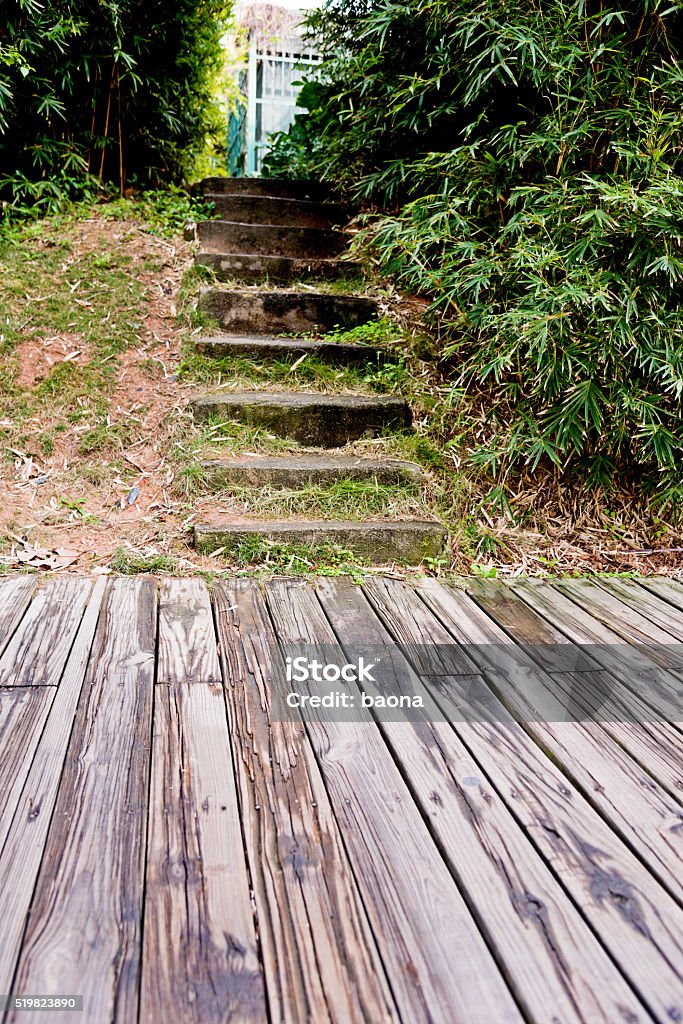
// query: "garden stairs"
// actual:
[[284, 231]]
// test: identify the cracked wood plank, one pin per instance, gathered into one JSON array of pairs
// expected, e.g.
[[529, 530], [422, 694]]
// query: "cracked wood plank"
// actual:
[[320, 960], [25, 833], [200, 958], [638, 809], [438, 963], [634, 917], [15, 596], [84, 928], [556, 965], [36, 653], [23, 712], [632, 611]]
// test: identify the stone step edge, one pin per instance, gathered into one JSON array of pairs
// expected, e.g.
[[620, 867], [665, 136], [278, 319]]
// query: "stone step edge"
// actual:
[[279, 267], [381, 541], [272, 188], [264, 228], [324, 208], [294, 470], [345, 298], [286, 200], [218, 346], [313, 419]]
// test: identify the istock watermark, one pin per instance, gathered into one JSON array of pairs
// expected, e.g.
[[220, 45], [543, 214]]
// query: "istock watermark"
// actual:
[[302, 669], [477, 682]]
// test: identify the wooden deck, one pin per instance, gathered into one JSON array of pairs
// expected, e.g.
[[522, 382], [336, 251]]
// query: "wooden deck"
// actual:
[[172, 854]]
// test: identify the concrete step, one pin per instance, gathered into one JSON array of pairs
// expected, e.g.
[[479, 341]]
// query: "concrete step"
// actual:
[[247, 347], [410, 540], [269, 240], [313, 420], [300, 213], [252, 267], [280, 312], [278, 188], [296, 471]]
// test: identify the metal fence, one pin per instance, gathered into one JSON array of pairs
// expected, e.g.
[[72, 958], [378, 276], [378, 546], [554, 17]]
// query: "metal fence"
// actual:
[[271, 95]]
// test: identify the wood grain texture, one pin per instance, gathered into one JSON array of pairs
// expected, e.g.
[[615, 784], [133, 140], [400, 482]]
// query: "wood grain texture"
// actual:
[[648, 605], [597, 695], [665, 588], [187, 647], [84, 929], [645, 671], [641, 811], [22, 716], [629, 625], [37, 652], [634, 917], [25, 833], [200, 961], [557, 967], [15, 595], [319, 956], [438, 964]]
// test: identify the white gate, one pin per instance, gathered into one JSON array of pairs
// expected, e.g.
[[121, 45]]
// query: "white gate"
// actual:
[[271, 93]]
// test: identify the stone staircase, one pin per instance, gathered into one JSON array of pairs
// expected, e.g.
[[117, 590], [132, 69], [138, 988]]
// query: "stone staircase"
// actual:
[[285, 231]]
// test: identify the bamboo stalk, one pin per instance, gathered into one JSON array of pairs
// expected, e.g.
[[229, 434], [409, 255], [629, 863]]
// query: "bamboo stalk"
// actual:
[[106, 120]]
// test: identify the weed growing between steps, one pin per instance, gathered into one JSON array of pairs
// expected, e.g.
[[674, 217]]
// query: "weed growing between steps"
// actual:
[[296, 560]]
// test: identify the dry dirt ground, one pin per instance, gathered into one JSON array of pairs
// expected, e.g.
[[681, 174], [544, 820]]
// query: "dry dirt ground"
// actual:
[[91, 414], [95, 429]]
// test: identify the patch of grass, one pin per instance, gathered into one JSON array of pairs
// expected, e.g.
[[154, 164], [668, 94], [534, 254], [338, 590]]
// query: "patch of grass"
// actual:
[[105, 437], [308, 372], [344, 499], [217, 438], [196, 276], [191, 479], [297, 560], [132, 563]]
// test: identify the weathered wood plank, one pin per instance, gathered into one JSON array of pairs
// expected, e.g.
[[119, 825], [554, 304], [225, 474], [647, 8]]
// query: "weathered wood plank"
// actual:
[[643, 671], [15, 595], [656, 746], [36, 653], [84, 929], [438, 964], [557, 966], [606, 607], [319, 956], [646, 605], [24, 833], [187, 638], [23, 712], [633, 915], [665, 588], [200, 961], [645, 815]]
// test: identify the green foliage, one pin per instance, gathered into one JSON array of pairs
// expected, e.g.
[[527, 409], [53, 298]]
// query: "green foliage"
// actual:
[[532, 156], [113, 92]]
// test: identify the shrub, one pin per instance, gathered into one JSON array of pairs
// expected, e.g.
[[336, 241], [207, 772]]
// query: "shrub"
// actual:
[[533, 158], [112, 91]]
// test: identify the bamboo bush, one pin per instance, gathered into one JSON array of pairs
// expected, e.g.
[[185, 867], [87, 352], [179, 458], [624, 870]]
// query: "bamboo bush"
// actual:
[[528, 163], [112, 92]]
